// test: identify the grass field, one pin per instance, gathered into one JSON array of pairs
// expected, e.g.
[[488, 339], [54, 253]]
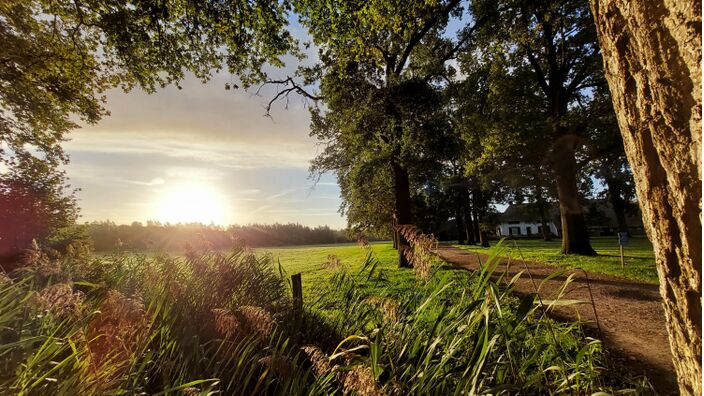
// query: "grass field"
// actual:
[[639, 257], [427, 328], [311, 262]]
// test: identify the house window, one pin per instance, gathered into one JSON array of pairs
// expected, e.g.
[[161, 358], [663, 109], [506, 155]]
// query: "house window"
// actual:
[[514, 230], [529, 230]]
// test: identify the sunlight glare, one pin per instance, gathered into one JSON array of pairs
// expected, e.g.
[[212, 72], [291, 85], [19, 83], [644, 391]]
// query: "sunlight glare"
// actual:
[[192, 203]]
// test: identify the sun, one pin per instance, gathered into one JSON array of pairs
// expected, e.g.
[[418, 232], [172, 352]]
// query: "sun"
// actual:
[[192, 203]]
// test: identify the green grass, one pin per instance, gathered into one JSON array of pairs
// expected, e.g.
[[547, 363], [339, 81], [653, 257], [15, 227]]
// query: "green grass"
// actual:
[[215, 322], [639, 259], [311, 262]]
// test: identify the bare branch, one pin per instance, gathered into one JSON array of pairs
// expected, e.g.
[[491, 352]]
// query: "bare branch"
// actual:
[[287, 86]]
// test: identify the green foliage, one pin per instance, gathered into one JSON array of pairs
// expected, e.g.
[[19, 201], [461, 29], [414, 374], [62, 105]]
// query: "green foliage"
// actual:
[[131, 324], [384, 116], [458, 333], [211, 322], [363, 139], [34, 202]]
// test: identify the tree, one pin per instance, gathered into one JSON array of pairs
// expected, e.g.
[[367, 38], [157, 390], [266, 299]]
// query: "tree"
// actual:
[[34, 202], [394, 49], [498, 109], [370, 155], [558, 41], [59, 58], [607, 157], [652, 57]]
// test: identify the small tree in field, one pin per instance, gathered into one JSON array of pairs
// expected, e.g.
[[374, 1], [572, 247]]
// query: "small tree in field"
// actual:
[[34, 201]]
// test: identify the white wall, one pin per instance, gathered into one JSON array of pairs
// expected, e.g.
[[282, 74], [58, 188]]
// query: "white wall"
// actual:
[[503, 228]]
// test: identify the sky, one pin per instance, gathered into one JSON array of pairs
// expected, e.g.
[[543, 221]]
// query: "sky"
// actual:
[[200, 153]]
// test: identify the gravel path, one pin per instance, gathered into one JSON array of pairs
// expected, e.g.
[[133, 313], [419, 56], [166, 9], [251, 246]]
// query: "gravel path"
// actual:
[[630, 313]]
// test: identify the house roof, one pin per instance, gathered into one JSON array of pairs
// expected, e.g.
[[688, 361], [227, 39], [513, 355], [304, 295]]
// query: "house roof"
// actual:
[[527, 212], [597, 212]]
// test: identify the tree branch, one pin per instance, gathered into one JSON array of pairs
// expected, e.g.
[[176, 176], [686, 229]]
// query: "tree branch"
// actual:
[[418, 36], [538, 70], [290, 86]]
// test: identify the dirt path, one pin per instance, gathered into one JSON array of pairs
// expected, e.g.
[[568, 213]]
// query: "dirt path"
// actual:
[[630, 313]]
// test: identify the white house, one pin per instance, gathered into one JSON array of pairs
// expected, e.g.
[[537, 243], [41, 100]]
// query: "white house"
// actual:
[[524, 228], [522, 220]]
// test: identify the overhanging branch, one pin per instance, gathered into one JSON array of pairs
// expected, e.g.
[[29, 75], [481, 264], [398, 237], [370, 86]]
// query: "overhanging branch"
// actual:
[[284, 88]]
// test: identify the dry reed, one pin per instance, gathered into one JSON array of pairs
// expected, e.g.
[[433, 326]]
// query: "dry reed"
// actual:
[[421, 253]]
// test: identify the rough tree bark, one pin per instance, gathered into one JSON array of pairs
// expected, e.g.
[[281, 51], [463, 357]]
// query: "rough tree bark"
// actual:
[[402, 194], [544, 227], [475, 224], [652, 57]]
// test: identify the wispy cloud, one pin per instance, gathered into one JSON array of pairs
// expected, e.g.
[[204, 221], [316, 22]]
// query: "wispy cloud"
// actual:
[[281, 194], [219, 153], [250, 191], [157, 181], [260, 209]]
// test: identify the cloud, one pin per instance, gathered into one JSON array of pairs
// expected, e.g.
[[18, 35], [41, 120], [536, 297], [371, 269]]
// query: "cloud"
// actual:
[[280, 194], [260, 209], [206, 134], [157, 181], [250, 191], [224, 154]]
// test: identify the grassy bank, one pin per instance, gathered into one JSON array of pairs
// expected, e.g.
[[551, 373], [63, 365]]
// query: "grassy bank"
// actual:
[[639, 259], [210, 322]]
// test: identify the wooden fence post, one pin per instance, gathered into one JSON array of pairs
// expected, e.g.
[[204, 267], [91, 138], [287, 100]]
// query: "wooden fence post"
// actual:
[[297, 292]]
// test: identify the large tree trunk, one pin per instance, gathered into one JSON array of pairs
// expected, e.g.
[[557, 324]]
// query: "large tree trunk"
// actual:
[[480, 211], [545, 229], [475, 223], [458, 222], [618, 204], [575, 236], [652, 57], [468, 222], [402, 194]]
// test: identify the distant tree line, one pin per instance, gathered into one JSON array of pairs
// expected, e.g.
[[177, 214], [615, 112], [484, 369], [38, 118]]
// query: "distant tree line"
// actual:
[[155, 236]]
